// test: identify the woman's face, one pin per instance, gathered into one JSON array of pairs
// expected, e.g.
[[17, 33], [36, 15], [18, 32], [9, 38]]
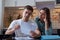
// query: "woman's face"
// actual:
[[42, 14]]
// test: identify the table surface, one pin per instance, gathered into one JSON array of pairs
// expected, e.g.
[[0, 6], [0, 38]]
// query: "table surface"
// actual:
[[50, 37], [43, 37], [23, 38]]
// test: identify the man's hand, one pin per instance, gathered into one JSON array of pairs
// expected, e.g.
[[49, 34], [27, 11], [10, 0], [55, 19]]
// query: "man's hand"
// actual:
[[33, 34], [17, 27]]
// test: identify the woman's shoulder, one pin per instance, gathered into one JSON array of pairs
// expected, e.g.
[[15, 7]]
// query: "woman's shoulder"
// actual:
[[37, 17]]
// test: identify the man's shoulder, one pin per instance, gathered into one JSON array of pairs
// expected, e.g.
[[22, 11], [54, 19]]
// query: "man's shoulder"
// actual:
[[32, 21], [16, 20], [19, 20]]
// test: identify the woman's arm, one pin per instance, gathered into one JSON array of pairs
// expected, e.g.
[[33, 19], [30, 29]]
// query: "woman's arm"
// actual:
[[49, 31]]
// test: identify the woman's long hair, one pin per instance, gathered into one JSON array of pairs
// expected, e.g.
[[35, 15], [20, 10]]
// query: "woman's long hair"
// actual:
[[47, 11]]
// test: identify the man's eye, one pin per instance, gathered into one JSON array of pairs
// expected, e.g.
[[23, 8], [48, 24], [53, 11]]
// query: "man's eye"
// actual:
[[26, 12]]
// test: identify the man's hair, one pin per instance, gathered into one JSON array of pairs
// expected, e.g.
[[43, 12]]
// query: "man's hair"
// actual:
[[29, 7]]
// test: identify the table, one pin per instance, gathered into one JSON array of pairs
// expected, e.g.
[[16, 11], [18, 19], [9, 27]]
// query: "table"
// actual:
[[43, 37], [22, 38], [2, 36], [50, 37]]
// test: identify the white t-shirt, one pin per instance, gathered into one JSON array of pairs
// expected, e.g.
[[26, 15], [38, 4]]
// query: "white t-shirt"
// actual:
[[25, 27]]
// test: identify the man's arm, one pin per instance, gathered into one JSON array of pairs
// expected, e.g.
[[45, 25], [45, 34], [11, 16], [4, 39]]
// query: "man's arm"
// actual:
[[35, 34], [38, 32], [12, 30]]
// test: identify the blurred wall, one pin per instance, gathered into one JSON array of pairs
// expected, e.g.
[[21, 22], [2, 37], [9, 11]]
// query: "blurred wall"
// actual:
[[1, 12], [13, 3]]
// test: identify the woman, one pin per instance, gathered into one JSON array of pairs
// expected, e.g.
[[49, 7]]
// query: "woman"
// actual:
[[44, 22]]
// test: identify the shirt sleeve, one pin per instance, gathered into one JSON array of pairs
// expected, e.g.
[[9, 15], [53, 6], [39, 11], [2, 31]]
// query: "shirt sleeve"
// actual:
[[12, 24]]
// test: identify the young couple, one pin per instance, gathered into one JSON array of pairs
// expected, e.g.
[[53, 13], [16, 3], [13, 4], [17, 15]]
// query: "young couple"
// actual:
[[33, 29]]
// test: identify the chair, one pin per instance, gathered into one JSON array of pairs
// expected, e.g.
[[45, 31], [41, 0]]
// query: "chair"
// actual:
[[7, 37], [58, 32]]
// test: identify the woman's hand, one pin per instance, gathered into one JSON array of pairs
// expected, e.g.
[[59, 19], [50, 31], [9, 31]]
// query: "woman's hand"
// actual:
[[46, 24]]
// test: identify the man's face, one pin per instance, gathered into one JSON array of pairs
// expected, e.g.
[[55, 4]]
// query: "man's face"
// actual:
[[27, 13], [42, 14]]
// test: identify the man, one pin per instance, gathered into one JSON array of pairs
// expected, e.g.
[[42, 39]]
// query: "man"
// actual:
[[24, 27]]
